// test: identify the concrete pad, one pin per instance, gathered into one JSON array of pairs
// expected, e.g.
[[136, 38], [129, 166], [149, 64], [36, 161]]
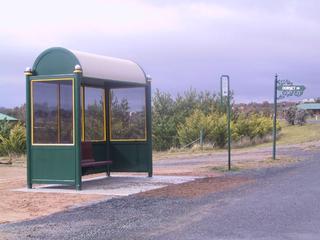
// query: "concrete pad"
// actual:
[[115, 186]]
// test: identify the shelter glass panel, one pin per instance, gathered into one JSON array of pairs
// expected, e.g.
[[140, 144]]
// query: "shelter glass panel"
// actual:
[[52, 103], [128, 114], [94, 114], [66, 112]]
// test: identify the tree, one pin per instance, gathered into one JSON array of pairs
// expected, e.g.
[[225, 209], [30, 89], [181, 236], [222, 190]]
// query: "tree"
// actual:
[[293, 115], [290, 115], [169, 113], [300, 117], [164, 122]]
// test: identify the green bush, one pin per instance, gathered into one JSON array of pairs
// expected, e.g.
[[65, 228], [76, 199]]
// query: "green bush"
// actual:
[[217, 130], [189, 131], [15, 143], [214, 127], [253, 126], [5, 127], [242, 128], [260, 126]]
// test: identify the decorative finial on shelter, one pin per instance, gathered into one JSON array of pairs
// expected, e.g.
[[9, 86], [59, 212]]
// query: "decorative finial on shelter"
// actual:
[[149, 78], [77, 69], [28, 71]]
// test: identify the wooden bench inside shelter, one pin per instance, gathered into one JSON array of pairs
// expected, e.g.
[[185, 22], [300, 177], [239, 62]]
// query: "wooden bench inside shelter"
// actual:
[[88, 161]]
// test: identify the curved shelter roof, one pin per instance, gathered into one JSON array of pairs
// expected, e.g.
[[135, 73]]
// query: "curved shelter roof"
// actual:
[[54, 61]]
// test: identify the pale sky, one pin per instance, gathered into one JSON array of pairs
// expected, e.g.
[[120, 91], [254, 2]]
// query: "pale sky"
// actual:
[[179, 43]]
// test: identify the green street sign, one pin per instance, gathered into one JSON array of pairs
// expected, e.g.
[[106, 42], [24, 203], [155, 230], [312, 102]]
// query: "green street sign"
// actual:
[[288, 89], [291, 88]]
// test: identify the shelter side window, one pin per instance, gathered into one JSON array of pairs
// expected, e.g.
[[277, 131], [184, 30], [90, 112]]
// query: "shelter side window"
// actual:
[[66, 112], [128, 114], [52, 112], [94, 114]]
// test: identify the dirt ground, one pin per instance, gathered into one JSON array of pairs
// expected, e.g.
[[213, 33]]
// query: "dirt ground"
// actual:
[[199, 187], [15, 206]]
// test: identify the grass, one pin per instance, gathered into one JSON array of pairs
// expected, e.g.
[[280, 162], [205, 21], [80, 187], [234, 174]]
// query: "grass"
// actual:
[[294, 135], [225, 169], [246, 165], [299, 134]]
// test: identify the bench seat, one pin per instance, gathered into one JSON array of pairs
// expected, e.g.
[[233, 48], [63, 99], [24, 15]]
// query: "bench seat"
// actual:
[[88, 161]]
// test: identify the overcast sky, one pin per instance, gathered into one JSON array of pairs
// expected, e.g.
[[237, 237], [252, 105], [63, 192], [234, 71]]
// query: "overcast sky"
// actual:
[[179, 43]]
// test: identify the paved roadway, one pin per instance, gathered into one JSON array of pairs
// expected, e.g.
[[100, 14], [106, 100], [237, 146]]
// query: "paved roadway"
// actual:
[[281, 203]]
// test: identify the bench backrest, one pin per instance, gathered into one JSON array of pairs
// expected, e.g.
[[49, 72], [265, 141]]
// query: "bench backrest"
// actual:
[[86, 151]]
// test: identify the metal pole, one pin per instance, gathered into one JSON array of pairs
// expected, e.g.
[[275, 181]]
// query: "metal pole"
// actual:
[[221, 95], [28, 74], [229, 129], [275, 117], [227, 94], [201, 138]]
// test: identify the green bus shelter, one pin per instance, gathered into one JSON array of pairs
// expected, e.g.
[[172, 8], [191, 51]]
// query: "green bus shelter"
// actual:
[[82, 105]]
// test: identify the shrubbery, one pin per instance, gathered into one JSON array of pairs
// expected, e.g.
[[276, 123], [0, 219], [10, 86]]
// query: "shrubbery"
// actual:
[[178, 122], [12, 139], [214, 128]]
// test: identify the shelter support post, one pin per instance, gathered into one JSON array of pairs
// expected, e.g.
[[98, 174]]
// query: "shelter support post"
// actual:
[[149, 127], [77, 112], [28, 73], [107, 101]]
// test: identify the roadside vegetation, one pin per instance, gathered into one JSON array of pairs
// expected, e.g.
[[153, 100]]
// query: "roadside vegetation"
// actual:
[[200, 117], [12, 140], [296, 134], [295, 116], [195, 121]]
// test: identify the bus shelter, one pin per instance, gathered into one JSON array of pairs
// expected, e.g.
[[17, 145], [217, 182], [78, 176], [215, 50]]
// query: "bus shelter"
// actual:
[[86, 113]]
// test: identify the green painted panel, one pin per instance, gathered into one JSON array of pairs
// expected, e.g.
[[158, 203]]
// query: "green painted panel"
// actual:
[[130, 157], [55, 61], [53, 163], [99, 151]]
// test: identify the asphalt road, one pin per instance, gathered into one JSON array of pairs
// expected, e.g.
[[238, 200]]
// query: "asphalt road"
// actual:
[[279, 203]]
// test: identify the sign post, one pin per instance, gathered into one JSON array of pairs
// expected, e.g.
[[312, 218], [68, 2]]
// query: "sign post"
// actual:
[[287, 90], [225, 92], [275, 117]]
